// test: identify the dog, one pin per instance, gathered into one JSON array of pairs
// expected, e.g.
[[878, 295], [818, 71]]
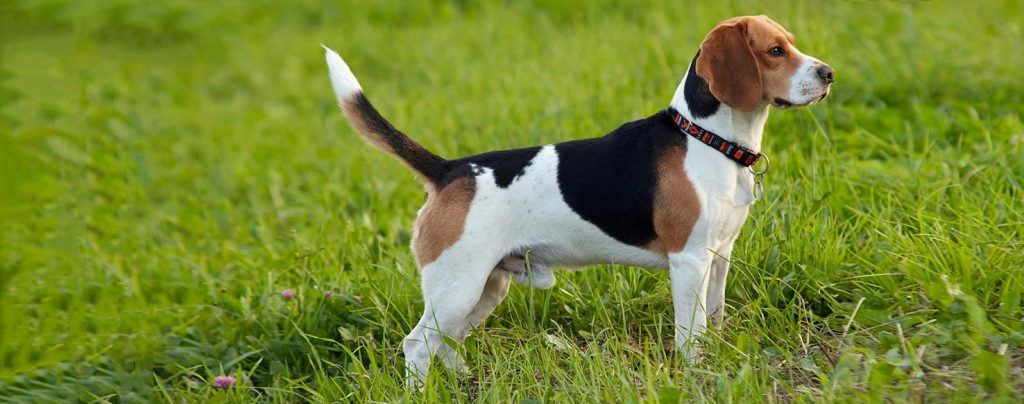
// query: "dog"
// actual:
[[668, 191]]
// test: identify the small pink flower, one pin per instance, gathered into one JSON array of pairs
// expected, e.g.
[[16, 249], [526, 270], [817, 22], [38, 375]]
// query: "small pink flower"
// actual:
[[287, 294], [328, 294], [224, 381]]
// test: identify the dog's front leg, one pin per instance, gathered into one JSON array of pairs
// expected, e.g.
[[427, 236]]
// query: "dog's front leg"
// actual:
[[715, 301], [689, 271], [720, 271]]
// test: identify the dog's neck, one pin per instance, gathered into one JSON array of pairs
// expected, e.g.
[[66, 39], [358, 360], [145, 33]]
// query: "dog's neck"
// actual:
[[695, 101]]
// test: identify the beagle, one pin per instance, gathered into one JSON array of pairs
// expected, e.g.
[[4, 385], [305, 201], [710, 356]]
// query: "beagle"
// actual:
[[668, 191]]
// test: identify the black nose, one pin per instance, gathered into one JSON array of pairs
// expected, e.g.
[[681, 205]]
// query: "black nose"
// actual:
[[826, 74]]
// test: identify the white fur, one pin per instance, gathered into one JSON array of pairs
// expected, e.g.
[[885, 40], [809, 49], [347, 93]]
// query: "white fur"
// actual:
[[805, 87], [343, 81]]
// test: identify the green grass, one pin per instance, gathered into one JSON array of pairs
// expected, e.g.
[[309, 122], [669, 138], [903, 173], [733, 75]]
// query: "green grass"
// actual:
[[168, 168]]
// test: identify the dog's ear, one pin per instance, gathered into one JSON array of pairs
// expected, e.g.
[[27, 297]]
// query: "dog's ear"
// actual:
[[728, 64]]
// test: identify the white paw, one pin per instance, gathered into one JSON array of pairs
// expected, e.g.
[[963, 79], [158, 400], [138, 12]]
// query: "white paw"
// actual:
[[414, 380], [688, 346]]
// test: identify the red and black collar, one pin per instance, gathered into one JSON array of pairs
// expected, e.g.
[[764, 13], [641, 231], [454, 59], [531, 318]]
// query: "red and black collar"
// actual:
[[741, 155]]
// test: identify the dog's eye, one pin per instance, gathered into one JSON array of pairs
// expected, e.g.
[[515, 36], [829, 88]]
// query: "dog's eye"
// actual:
[[777, 51]]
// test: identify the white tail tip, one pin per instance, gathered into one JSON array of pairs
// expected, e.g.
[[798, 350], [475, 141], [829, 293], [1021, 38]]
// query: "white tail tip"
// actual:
[[342, 80]]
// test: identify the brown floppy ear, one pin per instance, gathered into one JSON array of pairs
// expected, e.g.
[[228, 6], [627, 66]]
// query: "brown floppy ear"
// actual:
[[727, 63]]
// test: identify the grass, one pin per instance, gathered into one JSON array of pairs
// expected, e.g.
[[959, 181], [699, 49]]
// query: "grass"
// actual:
[[168, 168]]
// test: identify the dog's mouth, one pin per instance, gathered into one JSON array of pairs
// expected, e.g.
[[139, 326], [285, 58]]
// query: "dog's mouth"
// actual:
[[784, 103], [781, 103], [823, 95]]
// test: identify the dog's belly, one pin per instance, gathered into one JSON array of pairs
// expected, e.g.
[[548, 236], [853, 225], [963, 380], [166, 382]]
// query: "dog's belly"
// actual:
[[546, 227]]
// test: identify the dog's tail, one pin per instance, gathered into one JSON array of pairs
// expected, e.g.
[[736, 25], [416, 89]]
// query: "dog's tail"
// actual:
[[374, 128]]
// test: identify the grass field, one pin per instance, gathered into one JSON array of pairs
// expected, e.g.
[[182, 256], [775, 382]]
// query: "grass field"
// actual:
[[168, 169]]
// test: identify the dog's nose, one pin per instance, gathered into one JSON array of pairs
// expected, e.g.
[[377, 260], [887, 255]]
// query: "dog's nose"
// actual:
[[826, 74]]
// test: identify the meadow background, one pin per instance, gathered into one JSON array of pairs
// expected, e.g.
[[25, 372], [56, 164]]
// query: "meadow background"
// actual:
[[168, 169]]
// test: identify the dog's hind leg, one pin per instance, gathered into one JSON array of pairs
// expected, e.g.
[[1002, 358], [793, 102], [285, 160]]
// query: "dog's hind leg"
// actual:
[[459, 285], [457, 293], [494, 292]]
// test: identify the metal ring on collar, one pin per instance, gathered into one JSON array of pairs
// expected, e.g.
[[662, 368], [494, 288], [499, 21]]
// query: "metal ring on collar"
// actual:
[[767, 165]]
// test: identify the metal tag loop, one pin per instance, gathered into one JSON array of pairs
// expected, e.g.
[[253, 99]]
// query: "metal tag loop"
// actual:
[[767, 165], [758, 190]]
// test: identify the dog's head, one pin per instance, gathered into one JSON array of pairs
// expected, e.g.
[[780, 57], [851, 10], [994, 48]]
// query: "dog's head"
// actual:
[[750, 60]]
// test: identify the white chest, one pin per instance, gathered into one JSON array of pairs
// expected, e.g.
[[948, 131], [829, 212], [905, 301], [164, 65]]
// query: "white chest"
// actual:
[[724, 188]]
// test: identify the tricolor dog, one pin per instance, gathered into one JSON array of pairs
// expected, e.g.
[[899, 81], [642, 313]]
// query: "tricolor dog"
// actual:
[[668, 191]]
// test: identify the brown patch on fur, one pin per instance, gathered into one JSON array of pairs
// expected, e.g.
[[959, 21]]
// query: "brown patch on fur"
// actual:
[[729, 66], [734, 59], [443, 219], [676, 206]]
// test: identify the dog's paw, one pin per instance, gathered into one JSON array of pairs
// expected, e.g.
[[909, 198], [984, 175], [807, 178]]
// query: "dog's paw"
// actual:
[[415, 380], [718, 319], [454, 361], [689, 348]]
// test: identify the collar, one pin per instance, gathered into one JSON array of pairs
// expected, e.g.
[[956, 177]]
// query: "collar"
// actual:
[[741, 155]]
